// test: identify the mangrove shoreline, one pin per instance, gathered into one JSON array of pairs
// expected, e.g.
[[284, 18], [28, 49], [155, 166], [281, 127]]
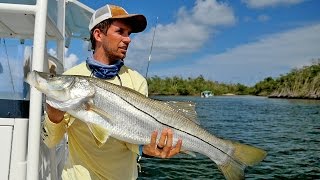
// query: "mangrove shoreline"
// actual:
[[299, 83]]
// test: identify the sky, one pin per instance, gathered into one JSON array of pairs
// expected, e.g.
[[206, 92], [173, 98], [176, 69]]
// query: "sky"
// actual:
[[228, 41], [238, 41]]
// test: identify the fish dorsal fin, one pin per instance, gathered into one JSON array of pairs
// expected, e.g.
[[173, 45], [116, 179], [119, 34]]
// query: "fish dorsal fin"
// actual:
[[187, 108], [103, 114]]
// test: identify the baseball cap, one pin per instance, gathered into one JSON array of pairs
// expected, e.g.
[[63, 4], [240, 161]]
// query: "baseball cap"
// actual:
[[137, 21]]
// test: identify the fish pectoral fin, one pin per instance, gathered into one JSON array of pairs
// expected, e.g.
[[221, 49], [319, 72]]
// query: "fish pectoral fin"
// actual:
[[100, 112], [99, 133]]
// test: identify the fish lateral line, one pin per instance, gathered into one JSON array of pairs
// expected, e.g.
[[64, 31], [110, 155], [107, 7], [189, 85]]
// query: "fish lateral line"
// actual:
[[172, 127]]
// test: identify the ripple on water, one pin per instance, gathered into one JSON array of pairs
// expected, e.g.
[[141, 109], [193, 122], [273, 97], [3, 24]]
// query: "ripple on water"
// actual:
[[289, 130]]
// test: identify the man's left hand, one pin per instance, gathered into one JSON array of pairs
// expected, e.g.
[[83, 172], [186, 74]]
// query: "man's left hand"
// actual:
[[164, 148]]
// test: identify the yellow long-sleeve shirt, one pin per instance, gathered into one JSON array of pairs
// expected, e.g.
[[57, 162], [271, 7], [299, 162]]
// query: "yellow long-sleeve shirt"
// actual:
[[115, 160]]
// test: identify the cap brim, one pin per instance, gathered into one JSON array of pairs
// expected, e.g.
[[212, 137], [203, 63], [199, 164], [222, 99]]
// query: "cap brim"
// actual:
[[138, 22]]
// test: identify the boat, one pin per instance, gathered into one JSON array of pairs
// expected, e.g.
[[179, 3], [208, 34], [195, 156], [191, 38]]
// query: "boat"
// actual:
[[23, 155], [206, 94]]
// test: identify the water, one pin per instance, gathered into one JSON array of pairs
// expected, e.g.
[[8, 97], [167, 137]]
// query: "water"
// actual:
[[289, 130]]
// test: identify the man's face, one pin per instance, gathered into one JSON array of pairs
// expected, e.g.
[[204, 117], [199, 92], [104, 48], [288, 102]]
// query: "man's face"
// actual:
[[116, 41]]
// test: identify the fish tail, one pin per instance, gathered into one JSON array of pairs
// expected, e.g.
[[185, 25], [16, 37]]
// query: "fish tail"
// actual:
[[243, 155], [232, 170]]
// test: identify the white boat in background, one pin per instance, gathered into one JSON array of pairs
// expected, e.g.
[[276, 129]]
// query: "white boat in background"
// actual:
[[206, 94], [22, 154]]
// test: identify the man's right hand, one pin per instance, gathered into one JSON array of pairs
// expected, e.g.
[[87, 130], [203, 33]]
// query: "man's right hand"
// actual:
[[55, 115]]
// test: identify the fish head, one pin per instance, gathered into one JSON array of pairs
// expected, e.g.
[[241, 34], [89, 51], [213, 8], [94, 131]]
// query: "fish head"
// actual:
[[62, 88]]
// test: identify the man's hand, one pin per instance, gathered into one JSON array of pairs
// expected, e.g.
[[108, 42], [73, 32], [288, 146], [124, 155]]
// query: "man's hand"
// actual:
[[55, 115], [164, 148]]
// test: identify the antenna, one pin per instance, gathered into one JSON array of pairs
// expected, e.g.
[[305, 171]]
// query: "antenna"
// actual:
[[11, 77], [154, 33]]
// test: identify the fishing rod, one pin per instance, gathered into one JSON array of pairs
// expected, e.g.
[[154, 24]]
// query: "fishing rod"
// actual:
[[9, 67], [154, 33]]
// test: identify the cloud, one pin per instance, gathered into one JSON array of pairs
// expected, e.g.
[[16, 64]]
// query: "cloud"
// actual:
[[190, 31], [271, 55], [270, 3], [52, 52], [70, 59]]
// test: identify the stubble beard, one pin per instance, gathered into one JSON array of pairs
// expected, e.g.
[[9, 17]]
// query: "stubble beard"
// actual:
[[113, 55]]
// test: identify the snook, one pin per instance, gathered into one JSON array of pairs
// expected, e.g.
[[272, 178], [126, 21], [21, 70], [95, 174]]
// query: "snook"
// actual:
[[129, 116]]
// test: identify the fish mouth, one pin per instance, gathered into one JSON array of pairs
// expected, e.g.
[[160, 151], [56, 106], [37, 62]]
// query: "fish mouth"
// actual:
[[31, 78], [54, 86], [54, 82], [48, 82], [37, 80]]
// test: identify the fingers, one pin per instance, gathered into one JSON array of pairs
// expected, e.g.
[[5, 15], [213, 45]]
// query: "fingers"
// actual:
[[164, 148], [162, 140], [55, 115], [151, 149], [153, 141], [168, 136], [176, 149]]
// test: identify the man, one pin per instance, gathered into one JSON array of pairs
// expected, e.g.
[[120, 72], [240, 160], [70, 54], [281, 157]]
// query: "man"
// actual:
[[110, 28]]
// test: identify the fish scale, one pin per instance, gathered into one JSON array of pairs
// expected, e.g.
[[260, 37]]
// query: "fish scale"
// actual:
[[170, 117], [131, 107], [131, 117]]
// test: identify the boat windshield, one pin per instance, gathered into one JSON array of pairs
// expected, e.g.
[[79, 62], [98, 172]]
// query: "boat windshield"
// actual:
[[15, 59]]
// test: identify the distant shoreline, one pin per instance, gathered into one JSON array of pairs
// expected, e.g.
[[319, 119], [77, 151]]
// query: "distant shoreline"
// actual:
[[287, 97], [230, 94]]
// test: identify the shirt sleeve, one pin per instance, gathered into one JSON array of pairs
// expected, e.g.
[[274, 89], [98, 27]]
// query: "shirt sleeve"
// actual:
[[52, 133], [143, 88]]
